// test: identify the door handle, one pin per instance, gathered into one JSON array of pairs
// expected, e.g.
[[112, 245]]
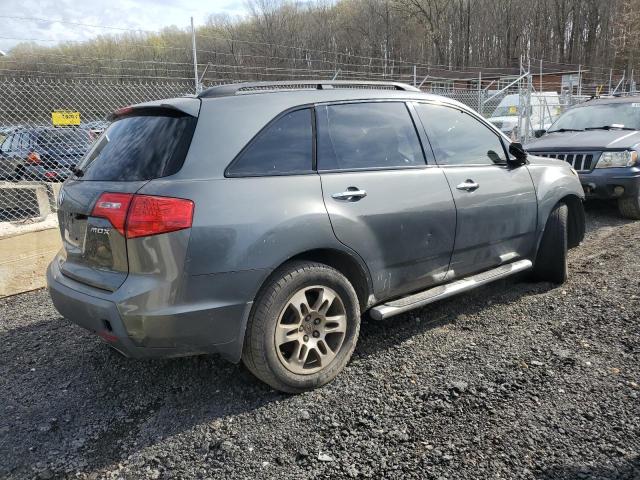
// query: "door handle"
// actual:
[[351, 194], [468, 185]]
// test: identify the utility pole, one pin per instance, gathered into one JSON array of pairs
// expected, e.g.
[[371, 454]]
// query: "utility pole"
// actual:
[[610, 77], [195, 58], [414, 76]]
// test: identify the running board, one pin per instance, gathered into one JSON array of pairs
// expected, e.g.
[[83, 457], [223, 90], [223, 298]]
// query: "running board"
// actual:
[[418, 300]]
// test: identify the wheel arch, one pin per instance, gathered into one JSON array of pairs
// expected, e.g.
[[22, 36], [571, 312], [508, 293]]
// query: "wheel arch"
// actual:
[[576, 220], [346, 263]]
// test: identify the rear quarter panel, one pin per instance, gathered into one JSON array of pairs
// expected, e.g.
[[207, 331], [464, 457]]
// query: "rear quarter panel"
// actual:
[[251, 223]]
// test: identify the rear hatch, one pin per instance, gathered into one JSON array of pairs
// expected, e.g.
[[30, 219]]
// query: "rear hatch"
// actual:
[[142, 144]]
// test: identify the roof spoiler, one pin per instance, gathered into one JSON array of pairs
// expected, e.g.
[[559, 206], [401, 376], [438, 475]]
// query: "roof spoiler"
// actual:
[[173, 107]]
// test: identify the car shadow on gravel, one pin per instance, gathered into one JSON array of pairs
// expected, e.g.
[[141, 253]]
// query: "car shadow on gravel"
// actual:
[[603, 214], [72, 398], [453, 313], [376, 336]]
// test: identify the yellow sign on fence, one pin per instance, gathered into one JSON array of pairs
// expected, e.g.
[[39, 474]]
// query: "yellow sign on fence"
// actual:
[[65, 118]]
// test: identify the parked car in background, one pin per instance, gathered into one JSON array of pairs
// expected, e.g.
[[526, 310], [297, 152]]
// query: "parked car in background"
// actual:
[[545, 109], [259, 220], [5, 131], [42, 153], [601, 140]]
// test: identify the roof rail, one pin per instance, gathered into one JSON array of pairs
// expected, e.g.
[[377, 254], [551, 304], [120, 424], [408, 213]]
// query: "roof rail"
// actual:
[[289, 85]]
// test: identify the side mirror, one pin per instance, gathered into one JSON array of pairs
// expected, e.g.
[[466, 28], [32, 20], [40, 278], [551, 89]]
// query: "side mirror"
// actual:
[[519, 153], [539, 133]]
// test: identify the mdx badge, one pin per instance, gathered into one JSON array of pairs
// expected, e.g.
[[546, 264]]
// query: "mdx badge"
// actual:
[[100, 230]]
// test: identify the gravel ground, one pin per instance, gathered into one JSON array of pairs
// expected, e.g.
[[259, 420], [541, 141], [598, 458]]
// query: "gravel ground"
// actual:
[[514, 380]]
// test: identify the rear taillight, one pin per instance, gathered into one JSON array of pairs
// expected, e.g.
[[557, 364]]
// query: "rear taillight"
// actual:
[[113, 207], [143, 215], [33, 157]]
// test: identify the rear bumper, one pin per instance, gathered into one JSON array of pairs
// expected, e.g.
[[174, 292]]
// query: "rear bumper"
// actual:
[[602, 183], [214, 326]]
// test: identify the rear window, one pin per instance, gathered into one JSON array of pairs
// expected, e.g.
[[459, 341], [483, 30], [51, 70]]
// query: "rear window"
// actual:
[[139, 148]]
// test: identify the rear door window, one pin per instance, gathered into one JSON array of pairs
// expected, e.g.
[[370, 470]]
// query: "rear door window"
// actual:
[[140, 147], [373, 135], [284, 147]]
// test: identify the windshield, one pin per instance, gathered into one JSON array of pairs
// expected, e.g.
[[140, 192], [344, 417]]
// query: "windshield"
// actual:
[[622, 115]]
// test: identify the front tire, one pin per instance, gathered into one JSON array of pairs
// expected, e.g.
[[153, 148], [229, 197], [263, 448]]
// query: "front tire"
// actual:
[[629, 207], [303, 327], [551, 260]]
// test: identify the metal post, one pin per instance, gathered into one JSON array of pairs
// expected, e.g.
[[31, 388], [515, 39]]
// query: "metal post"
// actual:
[[527, 120], [579, 80], [195, 58], [480, 93], [414, 76], [632, 84], [540, 75], [610, 77], [520, 103]]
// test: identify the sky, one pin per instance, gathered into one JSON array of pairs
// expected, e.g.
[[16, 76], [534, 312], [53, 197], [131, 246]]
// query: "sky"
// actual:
[[134, 14]]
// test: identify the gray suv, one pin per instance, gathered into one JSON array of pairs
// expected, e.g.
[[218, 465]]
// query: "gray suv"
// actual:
[[260, 220]]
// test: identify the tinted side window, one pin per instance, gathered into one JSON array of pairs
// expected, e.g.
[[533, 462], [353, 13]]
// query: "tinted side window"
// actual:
[[24, 142], [284, 147], [367, 135], [6, 144], [458, 139]]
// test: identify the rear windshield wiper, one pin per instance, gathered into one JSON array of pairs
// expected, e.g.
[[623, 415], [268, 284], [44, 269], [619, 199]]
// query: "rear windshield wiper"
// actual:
[[566, 130], [610, 127]]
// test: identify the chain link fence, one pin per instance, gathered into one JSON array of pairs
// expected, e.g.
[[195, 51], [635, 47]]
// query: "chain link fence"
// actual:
[[48, 124]]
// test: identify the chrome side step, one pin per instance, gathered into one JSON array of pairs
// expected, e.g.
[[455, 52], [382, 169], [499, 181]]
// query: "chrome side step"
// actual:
[[417, 300]]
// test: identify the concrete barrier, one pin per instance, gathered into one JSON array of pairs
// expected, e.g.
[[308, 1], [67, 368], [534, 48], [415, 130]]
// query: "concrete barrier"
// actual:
[[24, 200], [24, 258]]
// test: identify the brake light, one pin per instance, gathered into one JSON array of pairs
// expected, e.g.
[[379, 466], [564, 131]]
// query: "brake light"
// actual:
[[143, 215], [113, 207], [33, 157], [152, 215], [123, 111]]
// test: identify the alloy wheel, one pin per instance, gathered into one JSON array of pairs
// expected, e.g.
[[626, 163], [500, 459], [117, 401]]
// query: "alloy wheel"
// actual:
[[310, 330]]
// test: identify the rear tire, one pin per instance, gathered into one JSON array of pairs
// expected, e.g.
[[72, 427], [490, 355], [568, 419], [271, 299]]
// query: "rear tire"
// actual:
[[302, 328], [551, 260], [629, 207]]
